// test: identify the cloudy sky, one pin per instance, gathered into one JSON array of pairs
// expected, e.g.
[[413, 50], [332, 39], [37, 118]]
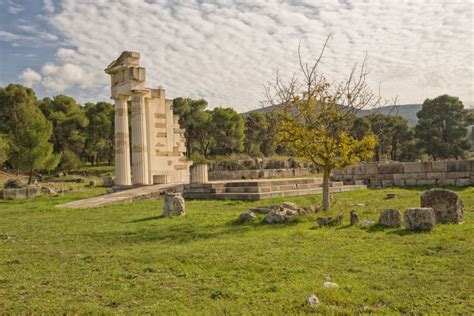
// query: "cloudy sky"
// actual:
[[226, 50]]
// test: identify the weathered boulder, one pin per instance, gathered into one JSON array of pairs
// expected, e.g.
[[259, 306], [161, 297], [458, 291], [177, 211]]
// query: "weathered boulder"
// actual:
[[391, 218], [420, 219], [313, 301], [290, 206], [246, 217], [280, 216], [329, 221], [108, 181], [354, 218], [265, 209], [92, 183], [322, 221], [447, 205], [174, 205]]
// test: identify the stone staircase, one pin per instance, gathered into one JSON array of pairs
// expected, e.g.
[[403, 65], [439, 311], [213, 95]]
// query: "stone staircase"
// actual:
[[261, 189]]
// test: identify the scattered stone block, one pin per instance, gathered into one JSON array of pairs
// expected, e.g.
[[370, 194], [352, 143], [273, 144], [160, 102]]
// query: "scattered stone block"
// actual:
[[330, 285], [420, 219], [174, 205], [280, 216], [354, 218], [322, 221], [246, 217], [92, 183], [366, 223], [390, 196], [313, 301], [289, 205], [447, 205], [391, 218], [265, 209]]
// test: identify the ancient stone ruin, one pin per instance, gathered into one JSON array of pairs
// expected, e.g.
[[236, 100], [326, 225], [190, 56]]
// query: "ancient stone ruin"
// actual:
[[446, 204], [158, 144]]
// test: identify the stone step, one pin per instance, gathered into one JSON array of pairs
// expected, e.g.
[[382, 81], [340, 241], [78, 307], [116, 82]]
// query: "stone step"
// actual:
[[253, 196]]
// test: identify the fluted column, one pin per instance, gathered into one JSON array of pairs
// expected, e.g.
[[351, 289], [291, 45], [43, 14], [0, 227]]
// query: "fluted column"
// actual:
[[122, 146], [199, 173], [139, 140]]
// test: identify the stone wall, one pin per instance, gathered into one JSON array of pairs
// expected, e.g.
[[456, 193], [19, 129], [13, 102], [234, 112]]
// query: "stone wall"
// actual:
[[258, 174], [376, 175]]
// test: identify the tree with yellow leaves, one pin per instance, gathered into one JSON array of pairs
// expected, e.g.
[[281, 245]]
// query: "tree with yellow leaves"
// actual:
[[315, 117]]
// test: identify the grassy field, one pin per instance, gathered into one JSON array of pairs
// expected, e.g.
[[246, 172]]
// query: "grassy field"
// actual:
[[128, 259]]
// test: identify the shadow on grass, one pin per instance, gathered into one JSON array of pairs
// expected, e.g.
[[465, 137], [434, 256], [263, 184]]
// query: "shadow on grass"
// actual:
[[405, 232], [146, 219]]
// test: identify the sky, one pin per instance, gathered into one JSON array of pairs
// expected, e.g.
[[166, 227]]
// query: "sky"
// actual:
[[226, 51]]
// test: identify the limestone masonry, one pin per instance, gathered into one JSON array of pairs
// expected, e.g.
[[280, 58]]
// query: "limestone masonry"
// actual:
[[401, 174], [158, 143]]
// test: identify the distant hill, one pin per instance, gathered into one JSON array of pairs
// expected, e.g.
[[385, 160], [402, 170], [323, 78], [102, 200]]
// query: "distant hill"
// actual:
[[407, 111]]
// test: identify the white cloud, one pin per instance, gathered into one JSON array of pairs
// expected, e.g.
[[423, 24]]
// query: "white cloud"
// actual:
[[225, 51], [30, 78], [48, 6], [15, 8]]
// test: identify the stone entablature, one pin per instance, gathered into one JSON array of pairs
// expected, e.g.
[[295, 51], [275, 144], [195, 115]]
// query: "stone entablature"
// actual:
[[448, 172], [157, 144]]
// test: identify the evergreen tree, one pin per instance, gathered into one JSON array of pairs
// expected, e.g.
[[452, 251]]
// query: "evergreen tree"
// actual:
[[442, 127]]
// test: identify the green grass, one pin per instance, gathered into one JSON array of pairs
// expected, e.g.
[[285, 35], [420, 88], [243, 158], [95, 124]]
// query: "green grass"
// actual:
[[128, 259]]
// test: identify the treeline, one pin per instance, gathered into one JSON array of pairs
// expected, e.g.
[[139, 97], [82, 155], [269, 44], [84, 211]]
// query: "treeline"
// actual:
[[59, 134], [441, 131], [53, 133]]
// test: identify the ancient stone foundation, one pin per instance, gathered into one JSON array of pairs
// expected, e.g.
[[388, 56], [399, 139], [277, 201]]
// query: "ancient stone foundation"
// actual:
[[440, 173]]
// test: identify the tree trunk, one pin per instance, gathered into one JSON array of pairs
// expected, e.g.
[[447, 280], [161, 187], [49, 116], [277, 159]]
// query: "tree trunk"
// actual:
[[326, 200], [31, 176]]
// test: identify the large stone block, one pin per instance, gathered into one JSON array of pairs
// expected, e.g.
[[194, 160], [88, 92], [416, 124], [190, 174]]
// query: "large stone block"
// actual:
[[463, 182], [446, 181], [447, 205], [417, 167], [438, 166], [458, 166], [391, 218], [371, 169], [174, 205], [458, 175], [420, 219], [410, 182], [387, 183], [425, 182], [435, 175], [360, 170], [399, 183], [391, 168]]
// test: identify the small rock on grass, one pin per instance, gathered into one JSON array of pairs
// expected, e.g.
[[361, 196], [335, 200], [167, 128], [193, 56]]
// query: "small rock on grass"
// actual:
[[330, 285], [290, 205], [313, 301], [246, 217], [366, 223], [354, 218]]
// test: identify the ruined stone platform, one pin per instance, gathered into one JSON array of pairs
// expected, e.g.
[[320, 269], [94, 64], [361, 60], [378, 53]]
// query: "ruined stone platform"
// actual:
[[261, 189], [140, 193]]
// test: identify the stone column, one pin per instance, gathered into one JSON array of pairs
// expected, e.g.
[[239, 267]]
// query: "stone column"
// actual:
[[122, 146], [139, 140], [199, 173]]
